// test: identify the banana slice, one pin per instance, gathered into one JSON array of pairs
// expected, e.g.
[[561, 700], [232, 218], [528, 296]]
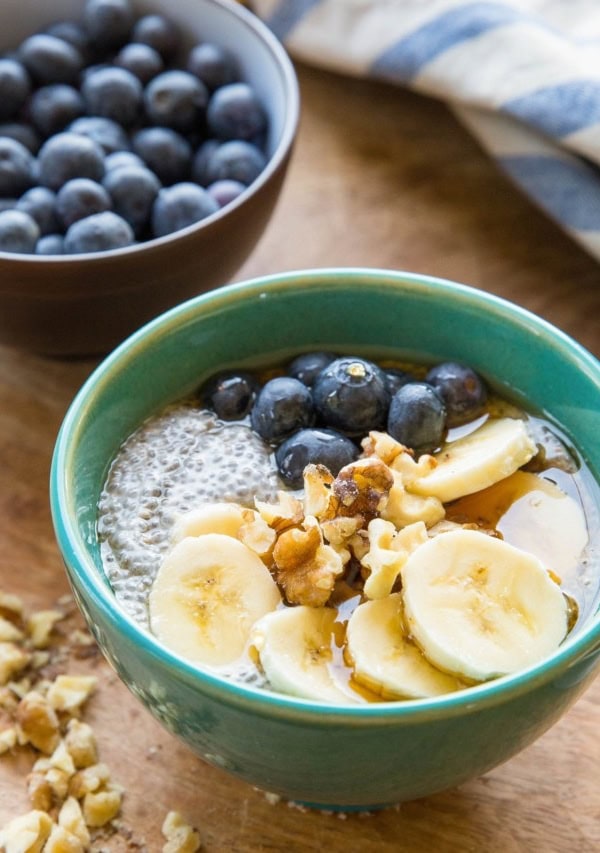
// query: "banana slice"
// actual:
[[494, 451], [294, 645], [479, 607], [225, 518], [208, 593], [384, 659]]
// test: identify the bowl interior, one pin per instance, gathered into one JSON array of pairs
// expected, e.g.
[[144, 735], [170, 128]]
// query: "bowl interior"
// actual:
[[368, 312]]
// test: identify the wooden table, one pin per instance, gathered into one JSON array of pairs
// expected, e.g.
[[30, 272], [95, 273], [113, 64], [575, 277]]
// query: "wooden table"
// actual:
[[380, 178]]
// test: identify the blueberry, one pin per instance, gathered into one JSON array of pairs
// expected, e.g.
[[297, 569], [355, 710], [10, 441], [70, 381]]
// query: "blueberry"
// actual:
[[313, 446], [71, 32], [50, 244], [351, 395], [236, 160], [118, 159], [15, 87], [53, 107], [180, 205], [141, 60], [50, 60], [39, 203], [230, 395], [201, 158], [176, 99], [225, 192], [105, 132], [417, 417], [113, 93], [396, 378], [78, 198], [133, 190], [157, 32], [98, 233], [234, 112], [16, 167], [18, 232], [69, 155], [108, 22], [462, 390], [307, 366], [213, 65], [283, 406], [165, 152], [22, 133]]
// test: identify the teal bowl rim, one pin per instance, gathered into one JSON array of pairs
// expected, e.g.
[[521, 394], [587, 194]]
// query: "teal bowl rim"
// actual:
[[576, 649]]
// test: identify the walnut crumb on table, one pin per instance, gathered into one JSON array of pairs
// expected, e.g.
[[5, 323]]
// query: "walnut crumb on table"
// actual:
[[75, 802]]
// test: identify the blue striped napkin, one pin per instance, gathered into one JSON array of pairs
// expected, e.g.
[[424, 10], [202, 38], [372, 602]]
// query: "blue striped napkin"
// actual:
[[522, 75]]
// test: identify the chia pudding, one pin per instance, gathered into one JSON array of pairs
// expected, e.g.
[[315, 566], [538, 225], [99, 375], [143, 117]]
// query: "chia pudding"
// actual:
[[187, 457]]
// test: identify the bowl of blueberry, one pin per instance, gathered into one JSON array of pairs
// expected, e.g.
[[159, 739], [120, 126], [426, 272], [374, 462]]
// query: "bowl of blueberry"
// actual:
[[143, 146]]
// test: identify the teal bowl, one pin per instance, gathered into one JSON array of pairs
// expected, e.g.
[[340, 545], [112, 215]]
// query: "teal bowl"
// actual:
[[355, 757]]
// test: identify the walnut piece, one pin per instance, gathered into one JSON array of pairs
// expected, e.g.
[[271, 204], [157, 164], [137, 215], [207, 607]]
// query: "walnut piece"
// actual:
[[80, 741], [305, 567], [100, 807], [287, 512], [256, 534], [27, 833], [63, 841], [38, 722], [69, 692], [9, 632], [181, 838], [362, 488], [12, 660], [319, 500], [70, 818], [40, 626]]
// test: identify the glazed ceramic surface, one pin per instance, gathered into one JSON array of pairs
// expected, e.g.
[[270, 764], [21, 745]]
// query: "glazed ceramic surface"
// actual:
[[86, 304], [337, 757]]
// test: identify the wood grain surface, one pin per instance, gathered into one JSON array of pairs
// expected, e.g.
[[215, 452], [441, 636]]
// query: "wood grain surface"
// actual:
[[380, 178]]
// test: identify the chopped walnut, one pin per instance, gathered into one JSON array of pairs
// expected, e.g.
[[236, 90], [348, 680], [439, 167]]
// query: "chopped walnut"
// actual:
[[382, 445], [62, 760], [305, 567], [362, 488], [89, 779], [287, 512], [40, 791], [319, 500], [12, 660], [100, 807], [69, 692], [38, 722], [40, 626], [388, 552], [70, 818], [81, 744], [8, 739], [256, 534], [11, 607], [181, 838], [9, 632], [27, 833], [63, 841]]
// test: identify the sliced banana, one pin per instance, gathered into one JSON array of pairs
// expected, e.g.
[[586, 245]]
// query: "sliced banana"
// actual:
[[479, 607], [384, 659], [295, 645], [494, 451], [208, 593], [225, 518]]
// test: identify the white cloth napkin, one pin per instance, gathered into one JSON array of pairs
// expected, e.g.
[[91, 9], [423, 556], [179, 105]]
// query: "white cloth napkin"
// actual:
[[523, 76]]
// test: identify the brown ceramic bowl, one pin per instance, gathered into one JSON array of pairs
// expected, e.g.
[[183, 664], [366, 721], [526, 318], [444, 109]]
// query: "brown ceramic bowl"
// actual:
[[85, 304]]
